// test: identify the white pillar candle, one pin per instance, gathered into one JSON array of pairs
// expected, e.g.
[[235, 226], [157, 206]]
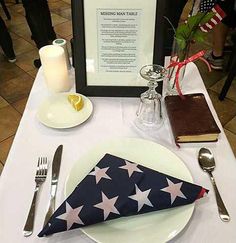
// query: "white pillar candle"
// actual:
[[62, 43], [54, 68]]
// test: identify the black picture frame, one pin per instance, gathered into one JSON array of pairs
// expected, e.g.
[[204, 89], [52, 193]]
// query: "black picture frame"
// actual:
[[79, 55]]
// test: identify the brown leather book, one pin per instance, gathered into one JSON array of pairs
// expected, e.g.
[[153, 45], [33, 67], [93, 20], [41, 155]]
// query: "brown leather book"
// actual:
[[191, 119]]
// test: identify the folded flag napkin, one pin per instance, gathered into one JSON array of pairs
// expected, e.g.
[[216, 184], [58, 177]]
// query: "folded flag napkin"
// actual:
[[115, 188]]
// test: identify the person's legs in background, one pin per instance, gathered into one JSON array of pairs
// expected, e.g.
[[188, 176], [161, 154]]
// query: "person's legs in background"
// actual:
[[51, 35], [216, 56], [220, 32], [39, 20], [6, 42]]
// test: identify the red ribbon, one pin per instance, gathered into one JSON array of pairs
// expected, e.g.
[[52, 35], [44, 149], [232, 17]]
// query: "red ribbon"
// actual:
[[185, 62]]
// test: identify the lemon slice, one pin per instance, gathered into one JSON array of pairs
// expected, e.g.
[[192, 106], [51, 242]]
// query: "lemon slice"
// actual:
[[76, 101]]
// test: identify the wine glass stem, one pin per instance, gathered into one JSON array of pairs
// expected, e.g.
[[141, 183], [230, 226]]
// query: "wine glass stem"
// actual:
[[152, 88]]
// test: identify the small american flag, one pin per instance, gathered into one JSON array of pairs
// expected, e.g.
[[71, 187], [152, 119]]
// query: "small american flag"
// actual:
[[207, 5], [219, 15], [116, 187]]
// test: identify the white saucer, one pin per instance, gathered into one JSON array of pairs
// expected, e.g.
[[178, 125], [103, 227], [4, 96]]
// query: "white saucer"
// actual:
[[57, 112]]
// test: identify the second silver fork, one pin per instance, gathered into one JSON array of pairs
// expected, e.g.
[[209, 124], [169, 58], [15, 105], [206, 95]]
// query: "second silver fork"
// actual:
[[40, 177]]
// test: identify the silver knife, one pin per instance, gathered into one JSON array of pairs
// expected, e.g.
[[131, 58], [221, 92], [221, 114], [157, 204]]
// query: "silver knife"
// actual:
[[54, 181]]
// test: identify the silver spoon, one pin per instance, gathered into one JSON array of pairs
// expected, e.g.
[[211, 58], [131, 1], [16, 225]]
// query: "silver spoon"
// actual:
[[207, 163]]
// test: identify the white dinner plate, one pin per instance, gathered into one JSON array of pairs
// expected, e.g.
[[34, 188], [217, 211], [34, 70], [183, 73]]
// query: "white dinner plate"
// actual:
[[160, 226], [57, 112]]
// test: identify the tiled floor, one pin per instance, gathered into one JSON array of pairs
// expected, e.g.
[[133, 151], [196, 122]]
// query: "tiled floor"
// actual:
[[16, 79]]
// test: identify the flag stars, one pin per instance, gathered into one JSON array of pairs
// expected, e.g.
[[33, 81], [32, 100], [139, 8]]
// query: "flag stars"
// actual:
[[174, 190], [100, 173], [130, 167], [71, 216], [141, 197], [107, 205]]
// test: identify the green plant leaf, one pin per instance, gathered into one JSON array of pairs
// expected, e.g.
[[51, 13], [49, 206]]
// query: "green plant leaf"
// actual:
[[182, 31], [193, 21], [189, 31], [206, 18], [199, 36], [181, 42]]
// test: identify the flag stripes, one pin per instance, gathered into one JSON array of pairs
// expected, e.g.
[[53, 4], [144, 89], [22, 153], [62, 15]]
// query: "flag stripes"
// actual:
[[219, 15]]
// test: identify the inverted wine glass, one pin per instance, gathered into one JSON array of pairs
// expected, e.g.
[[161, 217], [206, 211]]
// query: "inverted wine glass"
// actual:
[[149, 113]]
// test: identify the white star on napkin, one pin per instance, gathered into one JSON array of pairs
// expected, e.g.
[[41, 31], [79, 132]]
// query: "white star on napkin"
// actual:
[[71, 216], [107, 205], [141, 197], [100, 173], [174, 190], [130, 167]]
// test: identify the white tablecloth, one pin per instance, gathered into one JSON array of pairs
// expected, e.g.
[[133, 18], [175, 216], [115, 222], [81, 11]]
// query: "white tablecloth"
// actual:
[[112, 118]]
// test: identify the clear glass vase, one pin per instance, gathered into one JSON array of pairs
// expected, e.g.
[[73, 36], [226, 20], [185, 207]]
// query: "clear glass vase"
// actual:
[[178, 54]]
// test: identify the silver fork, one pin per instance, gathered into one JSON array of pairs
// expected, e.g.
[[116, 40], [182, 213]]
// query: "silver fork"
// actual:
[[40, 177]]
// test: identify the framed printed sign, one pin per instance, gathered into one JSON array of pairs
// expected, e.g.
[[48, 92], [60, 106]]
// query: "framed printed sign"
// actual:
[[112, 40]]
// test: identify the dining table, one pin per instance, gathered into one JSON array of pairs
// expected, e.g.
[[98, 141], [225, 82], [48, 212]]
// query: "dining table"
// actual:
[[112, 118]]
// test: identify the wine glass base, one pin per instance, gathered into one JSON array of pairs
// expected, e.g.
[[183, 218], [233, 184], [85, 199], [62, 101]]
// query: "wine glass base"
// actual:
[[148, 126]]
